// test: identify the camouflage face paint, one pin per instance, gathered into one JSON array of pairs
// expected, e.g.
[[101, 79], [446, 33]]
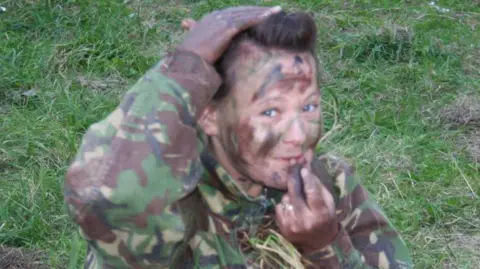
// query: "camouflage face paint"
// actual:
[[315, 136], [298, 60], [228, 132], [274, 76], [254, 144], [270, 142], [253, 64], [273, 138], [276, 177]]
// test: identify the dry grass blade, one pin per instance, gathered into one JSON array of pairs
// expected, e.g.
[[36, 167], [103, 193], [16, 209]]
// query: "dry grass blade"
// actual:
[[277, 252], [464, 177]]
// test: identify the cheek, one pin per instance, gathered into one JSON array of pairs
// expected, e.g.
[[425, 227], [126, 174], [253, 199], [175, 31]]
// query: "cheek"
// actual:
[[282, 126], [258, 138], [244, 132], [260, 134], [249, 137], [314, 130], [261, 131]]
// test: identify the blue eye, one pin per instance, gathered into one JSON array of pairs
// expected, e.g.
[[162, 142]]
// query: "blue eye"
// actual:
[[309, 108], [270, 112]]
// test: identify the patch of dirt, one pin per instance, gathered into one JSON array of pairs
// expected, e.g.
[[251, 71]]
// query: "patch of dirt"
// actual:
[[472, 144], [15, 258], [471, 63], [467, 245], [464, 113]]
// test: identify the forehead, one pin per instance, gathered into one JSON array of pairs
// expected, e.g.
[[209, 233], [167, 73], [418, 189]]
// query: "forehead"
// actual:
[[258, 71], [254, 62]]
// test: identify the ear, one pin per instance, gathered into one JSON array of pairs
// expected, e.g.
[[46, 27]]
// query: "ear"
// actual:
[[208, 121]]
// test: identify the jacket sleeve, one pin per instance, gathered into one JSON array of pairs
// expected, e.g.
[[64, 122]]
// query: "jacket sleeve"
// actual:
[[136, 163], [366, 238]]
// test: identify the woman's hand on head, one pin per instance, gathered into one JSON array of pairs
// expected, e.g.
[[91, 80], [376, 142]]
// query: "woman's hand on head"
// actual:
[[210, 36], [307, 221]]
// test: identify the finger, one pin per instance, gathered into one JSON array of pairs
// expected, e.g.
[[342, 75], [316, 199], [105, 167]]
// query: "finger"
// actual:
[[188, 24], [293, 190], [309, 156], [313, 189], [284, 216], [298, 182], [280, 218], [285, 205], [328, 200], [247, 18], [245, 21], [229, 13], [233, 11]]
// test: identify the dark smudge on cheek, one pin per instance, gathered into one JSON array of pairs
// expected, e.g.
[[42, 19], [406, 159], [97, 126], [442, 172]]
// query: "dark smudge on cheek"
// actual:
[[315, 135], [245, 136], [276, 177], [274, 76], [269, 143]]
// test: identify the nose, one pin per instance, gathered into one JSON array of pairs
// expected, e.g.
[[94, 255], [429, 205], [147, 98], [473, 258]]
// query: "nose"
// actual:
[[296, 133]]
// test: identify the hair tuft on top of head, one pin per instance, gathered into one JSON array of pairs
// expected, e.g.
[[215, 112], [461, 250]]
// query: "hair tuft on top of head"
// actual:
[[293, 32]]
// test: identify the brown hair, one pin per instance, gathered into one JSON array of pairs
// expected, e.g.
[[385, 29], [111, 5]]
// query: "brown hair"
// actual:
[[294, 32]]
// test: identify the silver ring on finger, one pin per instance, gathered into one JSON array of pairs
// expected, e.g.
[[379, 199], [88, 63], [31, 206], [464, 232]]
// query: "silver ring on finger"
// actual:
[[287, 206]]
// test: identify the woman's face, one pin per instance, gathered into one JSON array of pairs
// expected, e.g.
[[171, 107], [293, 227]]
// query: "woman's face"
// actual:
[[272, 116]]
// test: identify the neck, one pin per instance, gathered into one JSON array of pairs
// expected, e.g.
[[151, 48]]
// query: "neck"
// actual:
[[249, 186]]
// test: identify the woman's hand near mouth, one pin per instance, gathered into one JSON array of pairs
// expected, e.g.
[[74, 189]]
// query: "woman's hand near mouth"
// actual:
[[306, 216]]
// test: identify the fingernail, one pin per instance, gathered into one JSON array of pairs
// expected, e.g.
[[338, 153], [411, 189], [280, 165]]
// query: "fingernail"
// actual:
[[304, 172], [276, 9], [273, 10]]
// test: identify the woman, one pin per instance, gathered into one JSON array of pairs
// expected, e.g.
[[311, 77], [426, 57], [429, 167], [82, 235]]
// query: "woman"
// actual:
[[213, 142]]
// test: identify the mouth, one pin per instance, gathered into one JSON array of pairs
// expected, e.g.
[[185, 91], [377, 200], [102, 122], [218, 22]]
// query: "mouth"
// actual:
[[293, 159]]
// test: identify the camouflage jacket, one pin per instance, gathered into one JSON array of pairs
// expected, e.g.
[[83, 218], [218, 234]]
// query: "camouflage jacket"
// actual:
[[146, 193]]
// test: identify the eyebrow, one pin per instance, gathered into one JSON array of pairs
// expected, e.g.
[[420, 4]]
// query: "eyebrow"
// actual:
[[312, 94], [269, 99]]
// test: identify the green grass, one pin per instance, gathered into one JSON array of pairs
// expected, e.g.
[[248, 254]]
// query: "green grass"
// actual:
[[391, 67]]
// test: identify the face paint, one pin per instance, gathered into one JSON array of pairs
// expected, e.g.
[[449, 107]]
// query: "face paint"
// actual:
[[256, 64], [274, 76], [298, 60], [255, 142], [271, 140], [276, 177]]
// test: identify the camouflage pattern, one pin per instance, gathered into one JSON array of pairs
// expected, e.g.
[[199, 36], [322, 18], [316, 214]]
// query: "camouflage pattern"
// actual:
[[146, 193]]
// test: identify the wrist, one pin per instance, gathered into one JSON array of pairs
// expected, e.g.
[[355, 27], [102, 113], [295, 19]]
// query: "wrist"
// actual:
[[184, 61], [193, 74]]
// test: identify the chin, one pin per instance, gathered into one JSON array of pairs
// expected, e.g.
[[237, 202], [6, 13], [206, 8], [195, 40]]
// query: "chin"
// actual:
[[279, 182]]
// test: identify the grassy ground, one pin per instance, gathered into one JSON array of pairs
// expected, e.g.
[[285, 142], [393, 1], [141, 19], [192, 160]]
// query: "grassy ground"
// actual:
[[402, 99]]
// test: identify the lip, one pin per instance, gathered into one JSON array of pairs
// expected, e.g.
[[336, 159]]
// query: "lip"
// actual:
[[298, 158]]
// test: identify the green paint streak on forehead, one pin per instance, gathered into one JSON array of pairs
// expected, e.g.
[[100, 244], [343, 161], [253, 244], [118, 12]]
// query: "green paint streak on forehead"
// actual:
[[252, 58], [252, 64]]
